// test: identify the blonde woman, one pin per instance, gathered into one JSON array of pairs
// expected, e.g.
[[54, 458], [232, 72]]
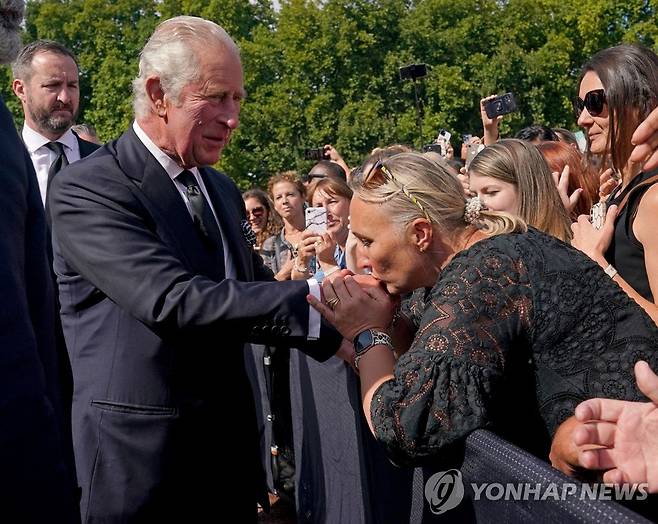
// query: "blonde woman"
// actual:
[[510, 327], [512, 176]]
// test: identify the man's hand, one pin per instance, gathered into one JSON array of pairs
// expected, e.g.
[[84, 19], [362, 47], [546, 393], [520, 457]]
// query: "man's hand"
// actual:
[[645, 140], [628, 432], [353, 308]]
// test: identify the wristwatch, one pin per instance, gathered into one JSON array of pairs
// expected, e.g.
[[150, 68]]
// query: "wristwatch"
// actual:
[[367, 339]]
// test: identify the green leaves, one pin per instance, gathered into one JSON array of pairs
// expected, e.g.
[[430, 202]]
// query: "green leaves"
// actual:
[[327, 72]]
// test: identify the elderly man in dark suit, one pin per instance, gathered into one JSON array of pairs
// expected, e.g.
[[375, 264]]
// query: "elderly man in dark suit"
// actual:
[[158, 293], [35, 478]]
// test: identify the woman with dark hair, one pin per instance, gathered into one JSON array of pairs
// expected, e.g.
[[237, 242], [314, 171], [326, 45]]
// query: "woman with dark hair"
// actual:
[[506, 322], [262, 218], [618, 88], [582, 178]]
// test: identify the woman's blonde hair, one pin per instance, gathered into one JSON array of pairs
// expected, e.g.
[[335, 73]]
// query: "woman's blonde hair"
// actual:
[[520, 163], [419, 187]]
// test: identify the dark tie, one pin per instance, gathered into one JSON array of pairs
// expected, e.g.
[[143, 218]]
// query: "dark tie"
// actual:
[[60, 162], [202, 214]]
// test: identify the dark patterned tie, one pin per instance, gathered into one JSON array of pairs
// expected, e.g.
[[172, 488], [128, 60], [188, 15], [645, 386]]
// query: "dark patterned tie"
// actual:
[[202, 214], [60, 162]]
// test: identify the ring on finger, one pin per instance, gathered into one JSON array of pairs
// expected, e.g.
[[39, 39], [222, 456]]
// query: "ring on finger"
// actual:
[[333, 302]]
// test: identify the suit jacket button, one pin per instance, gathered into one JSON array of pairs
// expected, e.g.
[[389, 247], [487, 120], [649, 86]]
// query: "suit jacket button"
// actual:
[[285, 331]]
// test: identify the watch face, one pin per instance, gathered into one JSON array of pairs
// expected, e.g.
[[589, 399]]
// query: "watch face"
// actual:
[[363, 341]]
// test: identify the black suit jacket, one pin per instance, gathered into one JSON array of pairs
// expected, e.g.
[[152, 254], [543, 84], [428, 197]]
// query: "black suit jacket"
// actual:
[[34, 475], [86, 147], [162, 404]]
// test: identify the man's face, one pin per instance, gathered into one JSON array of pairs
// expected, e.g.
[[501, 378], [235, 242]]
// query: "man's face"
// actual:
[[199, 126], [51, 96], [11, 16]]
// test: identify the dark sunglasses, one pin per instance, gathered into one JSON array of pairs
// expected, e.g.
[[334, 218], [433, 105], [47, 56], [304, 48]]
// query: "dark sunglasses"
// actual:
[[594, 103], [257, 211]]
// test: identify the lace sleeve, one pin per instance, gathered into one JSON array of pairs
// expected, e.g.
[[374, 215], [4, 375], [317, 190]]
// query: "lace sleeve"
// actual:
[[445, 384]]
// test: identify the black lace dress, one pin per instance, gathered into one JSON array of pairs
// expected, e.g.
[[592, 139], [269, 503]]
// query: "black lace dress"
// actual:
[[516, 332]]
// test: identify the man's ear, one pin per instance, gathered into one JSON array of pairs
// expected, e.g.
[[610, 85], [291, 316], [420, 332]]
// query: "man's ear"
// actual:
[[156, 96], [421, 233], [18, 86]]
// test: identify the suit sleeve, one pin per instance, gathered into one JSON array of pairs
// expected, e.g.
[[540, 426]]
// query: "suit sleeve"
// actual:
[[106, 235]]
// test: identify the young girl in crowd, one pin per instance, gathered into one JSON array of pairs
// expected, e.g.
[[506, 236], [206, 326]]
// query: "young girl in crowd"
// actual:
[[512, 176]]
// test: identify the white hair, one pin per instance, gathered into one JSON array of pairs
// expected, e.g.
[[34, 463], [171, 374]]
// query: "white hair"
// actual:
[[171, 55]]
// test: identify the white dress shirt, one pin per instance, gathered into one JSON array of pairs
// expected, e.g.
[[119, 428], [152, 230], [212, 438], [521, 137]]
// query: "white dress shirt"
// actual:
[[173, 170], [42, 157]]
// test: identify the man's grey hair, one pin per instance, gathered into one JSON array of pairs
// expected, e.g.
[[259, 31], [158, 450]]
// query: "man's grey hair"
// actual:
[[22, 66], [171, 55], [11, 17]]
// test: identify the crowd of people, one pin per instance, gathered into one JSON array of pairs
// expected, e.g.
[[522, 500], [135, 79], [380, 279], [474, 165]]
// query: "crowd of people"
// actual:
[[158, 323]]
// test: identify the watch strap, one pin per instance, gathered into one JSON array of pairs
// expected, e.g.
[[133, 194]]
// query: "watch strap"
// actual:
[[377, 338]]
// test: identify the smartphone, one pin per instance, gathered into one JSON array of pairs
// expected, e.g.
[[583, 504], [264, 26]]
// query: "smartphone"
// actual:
[[445, 135], [501, 105], [597, 215], [471, 152], [316, 219], [315, 153]]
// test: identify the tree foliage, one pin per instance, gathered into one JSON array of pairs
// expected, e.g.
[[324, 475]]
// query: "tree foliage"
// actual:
[[321, 72]]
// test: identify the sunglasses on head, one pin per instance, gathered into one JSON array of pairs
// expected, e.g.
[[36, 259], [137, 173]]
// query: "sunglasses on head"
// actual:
[[594, 102], [379, 174]]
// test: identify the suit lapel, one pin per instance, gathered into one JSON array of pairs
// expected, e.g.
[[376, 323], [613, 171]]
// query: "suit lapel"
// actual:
[[165, 204], [86, 148], [229, 217]]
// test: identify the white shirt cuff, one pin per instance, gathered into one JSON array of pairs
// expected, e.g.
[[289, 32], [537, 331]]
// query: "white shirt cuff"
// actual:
[[314, 317]]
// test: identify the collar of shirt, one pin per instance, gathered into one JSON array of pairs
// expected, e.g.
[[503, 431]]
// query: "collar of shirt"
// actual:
[[173, 170], [34, 141], [167, 163]]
